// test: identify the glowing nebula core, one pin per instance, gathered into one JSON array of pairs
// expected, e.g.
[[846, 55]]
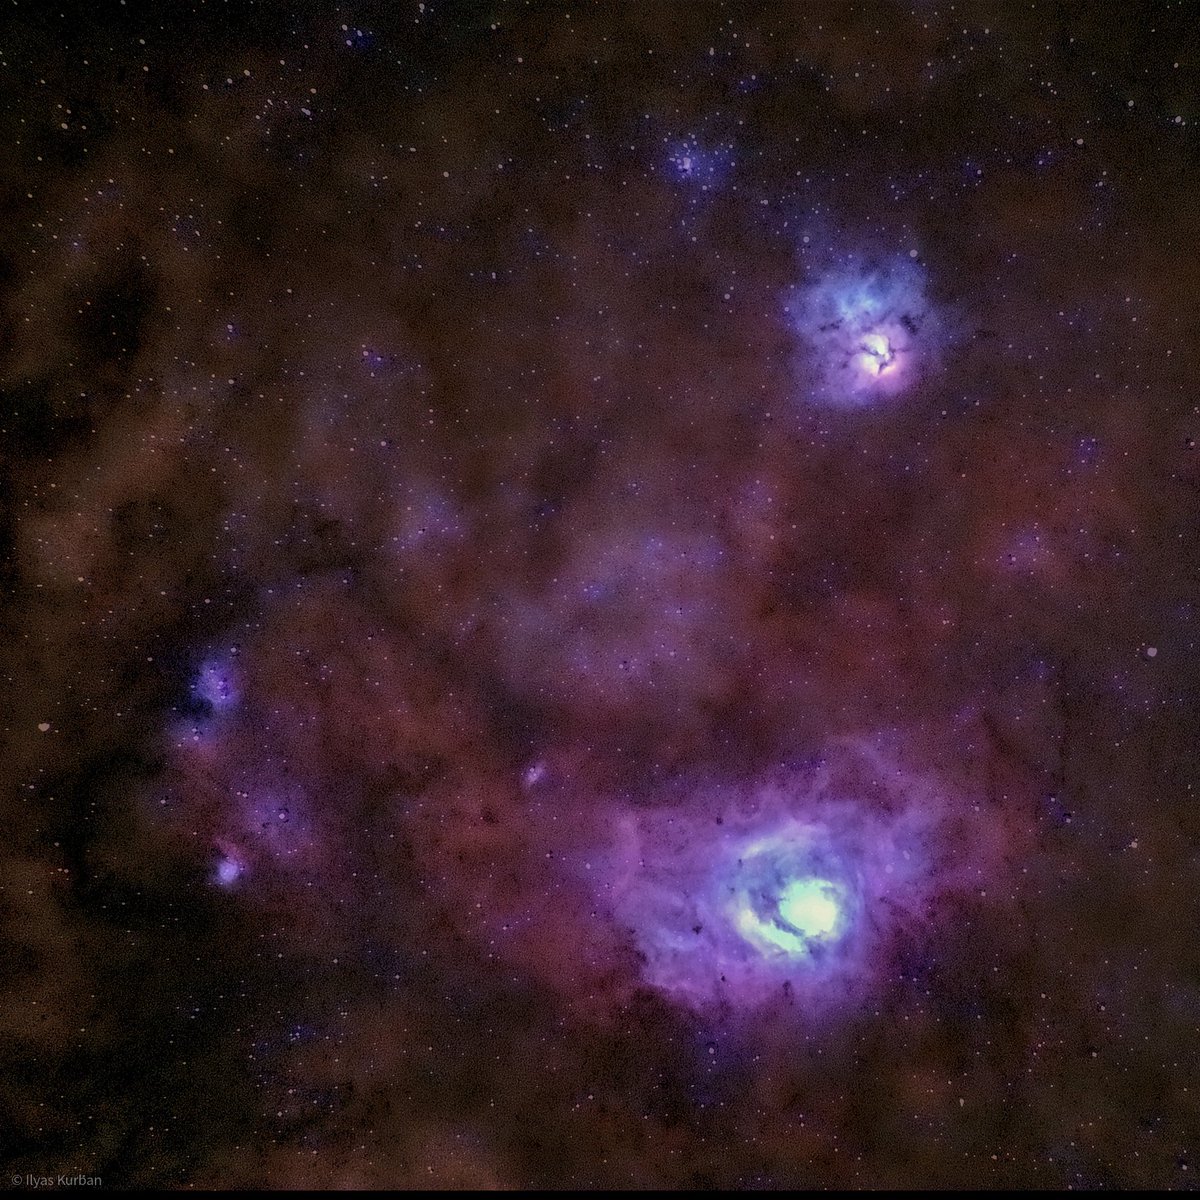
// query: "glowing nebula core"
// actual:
[[792, 918], [865, 331]]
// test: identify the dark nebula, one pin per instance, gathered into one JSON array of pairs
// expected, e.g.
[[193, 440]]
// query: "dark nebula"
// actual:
[[600, 595]]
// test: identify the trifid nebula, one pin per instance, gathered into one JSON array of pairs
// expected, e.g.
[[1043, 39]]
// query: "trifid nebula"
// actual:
[[600, 595]]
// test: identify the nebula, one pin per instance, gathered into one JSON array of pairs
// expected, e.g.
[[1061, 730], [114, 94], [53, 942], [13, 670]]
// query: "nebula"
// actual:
[[696, 163], [794, 889], [867, 329]]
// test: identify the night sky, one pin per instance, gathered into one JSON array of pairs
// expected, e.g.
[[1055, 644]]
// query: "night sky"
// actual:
[[600, 595]]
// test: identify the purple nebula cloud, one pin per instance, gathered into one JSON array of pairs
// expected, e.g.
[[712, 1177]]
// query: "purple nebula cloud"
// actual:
[[795, 890], [216, 683], [699, 164], [867, 331]]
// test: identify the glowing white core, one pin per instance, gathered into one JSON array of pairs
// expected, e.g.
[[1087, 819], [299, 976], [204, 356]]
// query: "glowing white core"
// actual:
[[878, 354], [808, 905]]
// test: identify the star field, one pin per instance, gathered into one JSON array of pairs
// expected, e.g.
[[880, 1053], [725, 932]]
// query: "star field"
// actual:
[[599, 596]]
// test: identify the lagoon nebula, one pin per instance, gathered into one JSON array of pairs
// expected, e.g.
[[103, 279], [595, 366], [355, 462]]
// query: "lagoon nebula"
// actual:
[[600, 596]]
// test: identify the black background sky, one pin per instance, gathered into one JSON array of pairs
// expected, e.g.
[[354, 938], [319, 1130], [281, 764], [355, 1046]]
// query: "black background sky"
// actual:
[[409, 476]]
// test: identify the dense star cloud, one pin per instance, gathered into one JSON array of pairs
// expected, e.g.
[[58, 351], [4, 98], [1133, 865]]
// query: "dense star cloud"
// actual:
[[599, 596]]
